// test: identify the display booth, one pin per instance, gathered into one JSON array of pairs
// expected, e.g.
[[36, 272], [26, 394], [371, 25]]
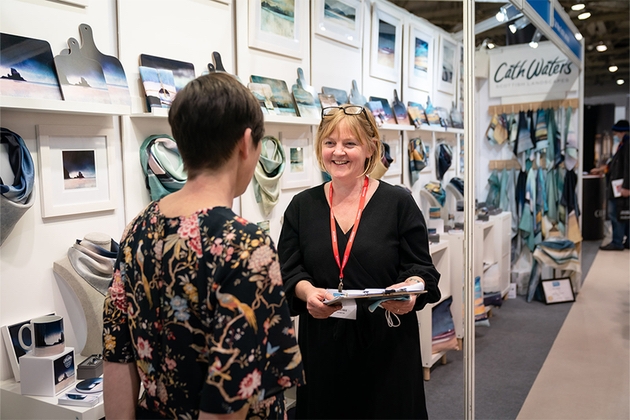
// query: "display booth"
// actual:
[[370, 50]]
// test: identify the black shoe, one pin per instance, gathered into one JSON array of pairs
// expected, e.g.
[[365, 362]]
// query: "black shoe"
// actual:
[[611, 247]]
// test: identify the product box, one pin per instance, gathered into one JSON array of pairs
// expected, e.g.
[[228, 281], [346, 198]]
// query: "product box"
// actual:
[[92, 367], [47, 375]]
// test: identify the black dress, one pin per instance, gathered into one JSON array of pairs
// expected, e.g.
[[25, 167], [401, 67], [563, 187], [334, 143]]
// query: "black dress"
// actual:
[[359, 368]]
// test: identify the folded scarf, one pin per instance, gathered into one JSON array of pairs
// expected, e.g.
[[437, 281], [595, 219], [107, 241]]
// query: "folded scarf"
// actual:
[[162, 166], [93, 263], [437, 191], [443, 157], [18, 197], [267, 175]]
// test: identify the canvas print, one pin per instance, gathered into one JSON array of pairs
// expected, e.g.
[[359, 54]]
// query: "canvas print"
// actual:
[[421, 58], [27, 68], [388, 114], [339, 20], [305, 103], [152, 86], [377, 111], [278, 17], [262, 92], [340, 95], [416, 113], [327, 100], [386, 44], [79, 169], [282, 99], [183, 72]]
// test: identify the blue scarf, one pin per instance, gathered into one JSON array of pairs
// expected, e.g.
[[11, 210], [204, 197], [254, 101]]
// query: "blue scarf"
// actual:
[[22, 166]]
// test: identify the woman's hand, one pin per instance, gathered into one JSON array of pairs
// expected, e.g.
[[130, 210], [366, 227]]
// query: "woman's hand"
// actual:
[[314, 297], [401, 307]]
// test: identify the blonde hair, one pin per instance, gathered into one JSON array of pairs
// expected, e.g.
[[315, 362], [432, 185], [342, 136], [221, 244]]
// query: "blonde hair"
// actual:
[[363, 127]]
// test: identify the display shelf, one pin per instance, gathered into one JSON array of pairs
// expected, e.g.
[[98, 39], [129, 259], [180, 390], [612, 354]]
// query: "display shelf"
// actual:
[[434, 128], [15, 103], [155, 113], [289, 119], [397, 127]]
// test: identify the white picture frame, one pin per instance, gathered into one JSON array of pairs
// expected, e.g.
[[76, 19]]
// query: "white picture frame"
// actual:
[[275, 32], [395, 151], [558, 290], [74, 169], [447, 70], [421, 59], [385, 45], [339, 20], [298, 172]]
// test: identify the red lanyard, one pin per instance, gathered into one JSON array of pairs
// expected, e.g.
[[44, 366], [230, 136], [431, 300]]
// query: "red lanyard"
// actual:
[[333, 230]]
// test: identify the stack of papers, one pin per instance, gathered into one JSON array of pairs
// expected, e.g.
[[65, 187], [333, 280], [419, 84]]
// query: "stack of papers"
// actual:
[[414, 289]]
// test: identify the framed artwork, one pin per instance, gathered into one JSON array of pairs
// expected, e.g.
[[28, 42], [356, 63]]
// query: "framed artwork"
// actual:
[[395, 168], [299, 171], [74, 169], [274, 26], [339, 20], [386, 45], [421, 59], [558, 290], [446, 69]]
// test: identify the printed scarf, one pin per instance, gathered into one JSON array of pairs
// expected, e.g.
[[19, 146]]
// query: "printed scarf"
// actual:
[[162, 166], [268, 171]]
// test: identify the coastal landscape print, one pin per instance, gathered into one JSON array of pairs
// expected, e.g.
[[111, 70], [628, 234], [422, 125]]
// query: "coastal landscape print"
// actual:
[[421, 59], [339, 13], [79, 169], [27, 68], [281, 97], [278, 17], [448, 65], [386, 44]]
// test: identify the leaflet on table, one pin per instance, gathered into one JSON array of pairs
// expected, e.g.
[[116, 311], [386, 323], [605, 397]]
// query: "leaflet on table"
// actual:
[[415, 289]]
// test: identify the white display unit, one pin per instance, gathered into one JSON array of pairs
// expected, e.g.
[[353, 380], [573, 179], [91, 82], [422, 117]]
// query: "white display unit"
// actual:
[[492, 246], [455, 239], [440, 254], [502, 244]]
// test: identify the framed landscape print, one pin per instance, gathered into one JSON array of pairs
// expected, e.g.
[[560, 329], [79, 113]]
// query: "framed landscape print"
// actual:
[[420, 59], [274, 26], [299, 169], [447, 71], [339, 20], [386, 45]]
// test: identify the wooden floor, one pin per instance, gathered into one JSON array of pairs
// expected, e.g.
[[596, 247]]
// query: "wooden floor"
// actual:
[[587, 372]]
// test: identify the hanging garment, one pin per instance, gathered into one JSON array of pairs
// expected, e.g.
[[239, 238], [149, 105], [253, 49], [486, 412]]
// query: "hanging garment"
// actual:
[[541, 130], [437, 191], [162, 166], [524, 140], [569, 197], [552, 196], [494, 190], [497, 132], [541, 203], [18, 197], [94, 263], [443, 158], [562, 210], [554, 157], [418, 158], [571, 149], [267, 175], [513, 130], [527, 225], [507, 201]]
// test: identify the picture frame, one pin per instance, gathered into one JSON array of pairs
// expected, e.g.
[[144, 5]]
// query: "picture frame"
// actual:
[[421, 59], [447, 72], [13, 346], [395, 168], [74, 169], [276, 28], [386, 45], [339, 20], [558, 290], [298, 172]]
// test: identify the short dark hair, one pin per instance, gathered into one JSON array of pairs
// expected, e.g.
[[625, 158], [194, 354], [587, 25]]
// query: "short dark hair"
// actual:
[[208, 117]]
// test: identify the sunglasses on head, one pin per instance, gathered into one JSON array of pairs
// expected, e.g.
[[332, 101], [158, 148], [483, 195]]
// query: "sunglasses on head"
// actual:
[[329, 111]]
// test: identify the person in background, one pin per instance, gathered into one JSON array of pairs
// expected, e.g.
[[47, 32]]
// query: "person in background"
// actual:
[[356, 232], [196, 310], [617, 177]]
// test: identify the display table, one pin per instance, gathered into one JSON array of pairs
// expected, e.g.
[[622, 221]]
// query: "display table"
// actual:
[[17, 406]]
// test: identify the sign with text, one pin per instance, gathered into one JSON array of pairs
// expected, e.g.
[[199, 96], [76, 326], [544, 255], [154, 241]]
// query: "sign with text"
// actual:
[[522, 70]]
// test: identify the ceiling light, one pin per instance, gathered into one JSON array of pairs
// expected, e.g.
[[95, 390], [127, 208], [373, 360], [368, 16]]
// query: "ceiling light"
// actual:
[[620, 82], [613, 68], [500, 16], [578, 36], [578, 6], [518, 24], [490, 45], [533, 44], [535, 39], [584, 15], [601, 47]]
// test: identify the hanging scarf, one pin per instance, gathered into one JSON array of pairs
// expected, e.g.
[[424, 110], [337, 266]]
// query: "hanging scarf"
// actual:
[[418, 158], [16, 198], [494, 190], [541, 129], [443, 157], [93, 263], [437, 191], [524, 139], [571, 148], [513, 128], [267, 175], [497, 130], [162, 166]]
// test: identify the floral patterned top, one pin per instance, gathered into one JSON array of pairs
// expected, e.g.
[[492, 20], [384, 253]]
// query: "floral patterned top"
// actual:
[[197, 303]]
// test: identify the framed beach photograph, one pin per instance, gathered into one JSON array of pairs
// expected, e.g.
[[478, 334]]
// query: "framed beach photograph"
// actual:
[[421, 59], [339, 20], [274, 26], [447, 72], [299, 169], [74, 169], [395, 168], [386, 45]]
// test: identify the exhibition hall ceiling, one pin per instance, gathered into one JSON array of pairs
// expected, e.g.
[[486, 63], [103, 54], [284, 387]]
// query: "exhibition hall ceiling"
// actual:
[[608, 25]]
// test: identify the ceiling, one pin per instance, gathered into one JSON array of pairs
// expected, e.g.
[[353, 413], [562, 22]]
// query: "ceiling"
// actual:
[[609, 23]]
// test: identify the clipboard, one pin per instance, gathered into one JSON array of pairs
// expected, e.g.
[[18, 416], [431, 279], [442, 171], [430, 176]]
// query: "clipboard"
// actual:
[[373, 294]]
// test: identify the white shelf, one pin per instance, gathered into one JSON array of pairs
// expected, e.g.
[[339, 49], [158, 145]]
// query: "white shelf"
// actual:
[[397, 127], [61, 107], [436, 247], [289, 119], [437, 129]]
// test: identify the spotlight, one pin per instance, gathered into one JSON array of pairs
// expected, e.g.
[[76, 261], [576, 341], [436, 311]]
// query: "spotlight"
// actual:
[[601, 47], [578, 6], [535, 39], [518, 24], [620, 82], [500, 16], [578, 36], [490, 45], [585, 15], [613, 68], [533, 44]]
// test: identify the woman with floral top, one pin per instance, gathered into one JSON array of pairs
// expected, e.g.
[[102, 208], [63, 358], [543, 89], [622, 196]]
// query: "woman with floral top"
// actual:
[[196, 310]]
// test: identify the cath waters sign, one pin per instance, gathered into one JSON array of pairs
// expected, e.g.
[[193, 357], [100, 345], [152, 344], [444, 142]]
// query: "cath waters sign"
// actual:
[[522, 70]]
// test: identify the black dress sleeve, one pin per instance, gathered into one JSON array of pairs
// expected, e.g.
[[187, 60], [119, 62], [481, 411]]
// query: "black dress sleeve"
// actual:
[[415, 258]]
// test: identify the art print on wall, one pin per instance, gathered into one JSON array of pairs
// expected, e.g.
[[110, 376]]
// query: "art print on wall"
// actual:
[[75, 175], [421, 60], [273, 26], [386, 45], [339, 20], [298, 172], [447, 70]]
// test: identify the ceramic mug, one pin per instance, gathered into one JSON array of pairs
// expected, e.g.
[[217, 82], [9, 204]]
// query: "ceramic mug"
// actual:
[[47, 336]]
